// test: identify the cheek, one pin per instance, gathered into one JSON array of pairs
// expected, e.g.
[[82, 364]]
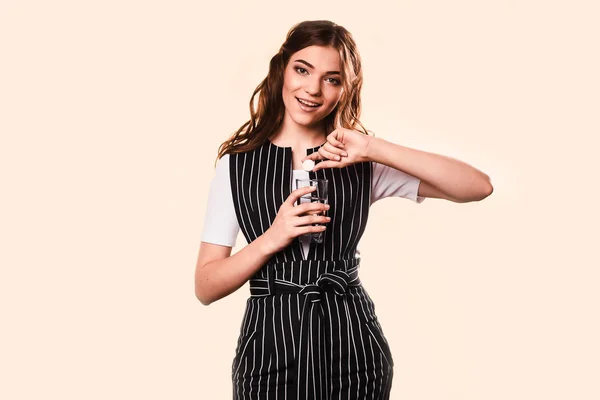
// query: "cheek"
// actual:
[[334, 97], [289, 78]]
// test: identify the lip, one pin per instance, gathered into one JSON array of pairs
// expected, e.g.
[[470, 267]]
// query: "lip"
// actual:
[[307, 109], [310, 101]]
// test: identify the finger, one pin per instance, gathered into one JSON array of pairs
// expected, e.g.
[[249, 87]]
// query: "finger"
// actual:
[[327, 164], [296, 194], [329, 155], [332, 139], [334, 150], [312, 219], [338, 122], [314, 156], [312, 208], [311, 229]]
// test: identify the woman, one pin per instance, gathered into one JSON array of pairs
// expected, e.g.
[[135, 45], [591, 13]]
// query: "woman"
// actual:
[[310, 330]]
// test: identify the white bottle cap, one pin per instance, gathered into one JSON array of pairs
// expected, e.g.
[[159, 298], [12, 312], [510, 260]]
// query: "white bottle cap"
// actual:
[[308, 165]]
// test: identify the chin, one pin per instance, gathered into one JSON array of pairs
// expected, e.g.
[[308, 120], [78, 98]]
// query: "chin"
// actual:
[[308, 122]]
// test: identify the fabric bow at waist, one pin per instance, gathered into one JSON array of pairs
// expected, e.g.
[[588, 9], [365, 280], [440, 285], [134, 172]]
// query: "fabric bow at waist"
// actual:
[[336, 280]]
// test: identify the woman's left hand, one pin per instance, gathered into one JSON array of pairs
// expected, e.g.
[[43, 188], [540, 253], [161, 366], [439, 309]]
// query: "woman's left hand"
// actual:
[[343, 147]]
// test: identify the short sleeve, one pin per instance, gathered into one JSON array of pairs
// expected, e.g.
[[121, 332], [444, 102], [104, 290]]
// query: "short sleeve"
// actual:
[[391, 182], [220, 221]]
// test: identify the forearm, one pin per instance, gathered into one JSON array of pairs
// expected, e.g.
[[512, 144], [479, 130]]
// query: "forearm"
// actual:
[[219, 278], [453, 177]]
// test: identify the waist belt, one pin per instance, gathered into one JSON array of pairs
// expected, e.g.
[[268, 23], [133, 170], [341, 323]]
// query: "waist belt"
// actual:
[[292, 277]]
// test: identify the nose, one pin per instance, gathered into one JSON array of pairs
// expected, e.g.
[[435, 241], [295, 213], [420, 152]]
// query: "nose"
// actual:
[[313, 87]]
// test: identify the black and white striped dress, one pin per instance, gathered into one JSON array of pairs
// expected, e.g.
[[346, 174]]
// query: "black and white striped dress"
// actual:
[[309, 330]]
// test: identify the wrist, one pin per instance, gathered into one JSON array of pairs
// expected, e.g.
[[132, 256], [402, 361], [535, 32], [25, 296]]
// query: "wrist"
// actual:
[[369, 152], [265, 245]]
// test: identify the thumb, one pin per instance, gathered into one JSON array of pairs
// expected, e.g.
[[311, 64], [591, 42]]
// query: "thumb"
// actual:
[[313, 156], [338, 123]]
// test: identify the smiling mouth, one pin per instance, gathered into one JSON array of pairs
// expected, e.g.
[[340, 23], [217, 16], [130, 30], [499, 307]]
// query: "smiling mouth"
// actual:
[[308, 103]]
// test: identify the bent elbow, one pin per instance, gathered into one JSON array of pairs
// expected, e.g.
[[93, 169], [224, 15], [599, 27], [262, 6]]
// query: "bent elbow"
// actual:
[[478, 195], [488, 190], [201, 293], [205, 300], [484, 191]]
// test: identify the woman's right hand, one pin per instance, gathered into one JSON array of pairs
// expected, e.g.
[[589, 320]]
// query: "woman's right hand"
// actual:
[[291, 222]]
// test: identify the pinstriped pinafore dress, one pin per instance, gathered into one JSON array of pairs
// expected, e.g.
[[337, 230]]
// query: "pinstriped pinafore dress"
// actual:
[[309, 329]]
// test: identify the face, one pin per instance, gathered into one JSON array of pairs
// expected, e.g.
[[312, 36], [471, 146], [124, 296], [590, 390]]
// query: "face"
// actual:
[[312, 76]]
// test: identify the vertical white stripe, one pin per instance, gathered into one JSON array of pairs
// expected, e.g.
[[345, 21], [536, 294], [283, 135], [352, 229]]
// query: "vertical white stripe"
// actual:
[[334, 217], [297, 297], [339, 172], [241, 186], [262, 347], [353, 198], [265, 189], [276, 348], [258, 199], [269, 377]]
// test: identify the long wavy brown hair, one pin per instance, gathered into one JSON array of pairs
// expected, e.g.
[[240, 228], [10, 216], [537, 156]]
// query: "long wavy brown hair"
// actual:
[[268, 116]]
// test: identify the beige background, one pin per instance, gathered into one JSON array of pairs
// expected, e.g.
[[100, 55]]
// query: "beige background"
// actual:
[[111, 115]]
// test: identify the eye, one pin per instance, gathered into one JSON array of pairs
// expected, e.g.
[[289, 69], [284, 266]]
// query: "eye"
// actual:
[[301, 71]]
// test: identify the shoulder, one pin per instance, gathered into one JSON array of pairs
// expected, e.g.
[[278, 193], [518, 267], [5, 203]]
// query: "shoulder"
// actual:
[[244, 155], [222, 168], [223, 160]]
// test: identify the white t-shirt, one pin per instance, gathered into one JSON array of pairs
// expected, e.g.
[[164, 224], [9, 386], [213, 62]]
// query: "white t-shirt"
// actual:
[[221, 224]]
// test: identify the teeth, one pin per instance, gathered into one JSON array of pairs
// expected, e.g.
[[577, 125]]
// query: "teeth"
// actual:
[[307, 103]]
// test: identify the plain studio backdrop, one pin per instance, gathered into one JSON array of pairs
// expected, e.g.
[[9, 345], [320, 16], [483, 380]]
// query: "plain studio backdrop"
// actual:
[[111, 114]]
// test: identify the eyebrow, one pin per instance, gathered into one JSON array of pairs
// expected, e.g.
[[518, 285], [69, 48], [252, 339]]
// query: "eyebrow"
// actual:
[[307, 63]]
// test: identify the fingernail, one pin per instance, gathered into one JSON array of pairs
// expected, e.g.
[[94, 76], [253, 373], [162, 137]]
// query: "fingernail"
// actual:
[[327, 206], [344, 153]]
